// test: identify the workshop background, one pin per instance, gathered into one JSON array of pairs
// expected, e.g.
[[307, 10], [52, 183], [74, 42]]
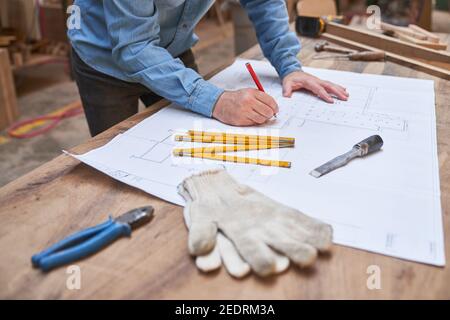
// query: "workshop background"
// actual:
[[40, 110]]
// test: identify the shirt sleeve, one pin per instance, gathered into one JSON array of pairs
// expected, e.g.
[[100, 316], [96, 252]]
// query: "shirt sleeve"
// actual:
[[279, 45], [134, 32]]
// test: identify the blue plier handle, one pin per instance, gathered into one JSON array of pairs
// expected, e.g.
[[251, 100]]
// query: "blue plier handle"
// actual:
[[80, 244]]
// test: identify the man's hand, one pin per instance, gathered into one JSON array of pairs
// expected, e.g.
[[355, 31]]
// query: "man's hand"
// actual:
[[245, 107], [298, 80]]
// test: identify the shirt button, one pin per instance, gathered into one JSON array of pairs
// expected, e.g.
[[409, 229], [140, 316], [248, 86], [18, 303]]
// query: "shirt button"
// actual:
[[184, 26]]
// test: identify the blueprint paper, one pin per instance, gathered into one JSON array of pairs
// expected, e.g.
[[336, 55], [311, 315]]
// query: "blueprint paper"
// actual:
[[388, 202]]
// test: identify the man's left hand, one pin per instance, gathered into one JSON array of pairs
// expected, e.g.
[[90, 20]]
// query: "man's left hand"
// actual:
[[325, 90]]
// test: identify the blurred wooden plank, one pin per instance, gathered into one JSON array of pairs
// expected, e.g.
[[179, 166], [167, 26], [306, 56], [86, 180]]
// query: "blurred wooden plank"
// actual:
[[6, 40], [441, 71], [430, 36], [386, 43], [425, 19], [314, 8], [38, 59], [426, 44], [8, 101], [402, 30]]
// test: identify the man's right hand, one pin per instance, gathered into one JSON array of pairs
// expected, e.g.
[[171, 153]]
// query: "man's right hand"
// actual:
[[245, 107]]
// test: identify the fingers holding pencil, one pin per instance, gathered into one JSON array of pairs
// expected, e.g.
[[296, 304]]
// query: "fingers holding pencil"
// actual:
[[262, 96], [267, 100], [246, 107]]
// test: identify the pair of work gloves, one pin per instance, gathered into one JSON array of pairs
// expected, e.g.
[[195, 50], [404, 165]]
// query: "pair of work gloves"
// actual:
[[233, 224]]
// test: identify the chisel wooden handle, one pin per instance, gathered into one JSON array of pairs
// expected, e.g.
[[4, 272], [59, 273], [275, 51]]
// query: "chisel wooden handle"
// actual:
[[369, 145], [367, 56]]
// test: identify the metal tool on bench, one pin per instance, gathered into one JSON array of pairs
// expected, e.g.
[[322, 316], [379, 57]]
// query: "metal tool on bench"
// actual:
[[347, 53], [310, 26], [91, 240], [357, 56], [361, 149], [325, 46]]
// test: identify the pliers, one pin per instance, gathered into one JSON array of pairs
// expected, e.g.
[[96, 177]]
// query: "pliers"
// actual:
[[91, 240]]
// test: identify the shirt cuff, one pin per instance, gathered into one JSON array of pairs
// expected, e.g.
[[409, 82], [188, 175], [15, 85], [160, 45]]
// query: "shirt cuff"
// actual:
[[289, 65], [204, 98]]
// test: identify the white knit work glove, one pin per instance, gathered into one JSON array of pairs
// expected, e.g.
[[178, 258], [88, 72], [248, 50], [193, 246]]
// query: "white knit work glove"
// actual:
[[255, 224], [224, 251]]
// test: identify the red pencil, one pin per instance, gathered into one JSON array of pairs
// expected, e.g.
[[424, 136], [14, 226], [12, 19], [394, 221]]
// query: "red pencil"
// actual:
[[254, 76]]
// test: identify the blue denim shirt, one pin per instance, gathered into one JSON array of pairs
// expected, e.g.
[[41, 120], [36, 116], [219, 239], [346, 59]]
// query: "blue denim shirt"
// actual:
[[137, 40]]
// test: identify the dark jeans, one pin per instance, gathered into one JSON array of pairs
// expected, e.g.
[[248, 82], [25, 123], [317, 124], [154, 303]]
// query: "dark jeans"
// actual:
[[108, 100]]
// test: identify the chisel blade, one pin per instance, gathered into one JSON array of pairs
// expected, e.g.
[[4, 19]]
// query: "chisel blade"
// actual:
[[335, 163]]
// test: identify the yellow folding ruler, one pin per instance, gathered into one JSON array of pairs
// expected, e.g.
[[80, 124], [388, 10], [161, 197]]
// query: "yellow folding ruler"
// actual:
[[240, 142]]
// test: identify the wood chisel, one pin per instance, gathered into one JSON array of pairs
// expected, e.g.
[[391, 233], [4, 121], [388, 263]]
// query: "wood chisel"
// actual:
[[356, 56], [361, 149]]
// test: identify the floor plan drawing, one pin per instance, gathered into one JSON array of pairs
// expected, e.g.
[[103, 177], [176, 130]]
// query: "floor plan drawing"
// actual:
[[364, 120], [158, 151], [356, 112], [405, 221]]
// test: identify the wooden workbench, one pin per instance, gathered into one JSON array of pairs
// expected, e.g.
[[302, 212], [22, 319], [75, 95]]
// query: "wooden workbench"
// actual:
[[63, 196]]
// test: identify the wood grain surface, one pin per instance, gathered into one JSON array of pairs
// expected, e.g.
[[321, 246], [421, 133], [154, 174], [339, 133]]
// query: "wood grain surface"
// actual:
[[63, 196]]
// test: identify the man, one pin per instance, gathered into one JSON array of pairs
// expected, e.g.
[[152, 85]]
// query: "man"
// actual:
[[126, 50]]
